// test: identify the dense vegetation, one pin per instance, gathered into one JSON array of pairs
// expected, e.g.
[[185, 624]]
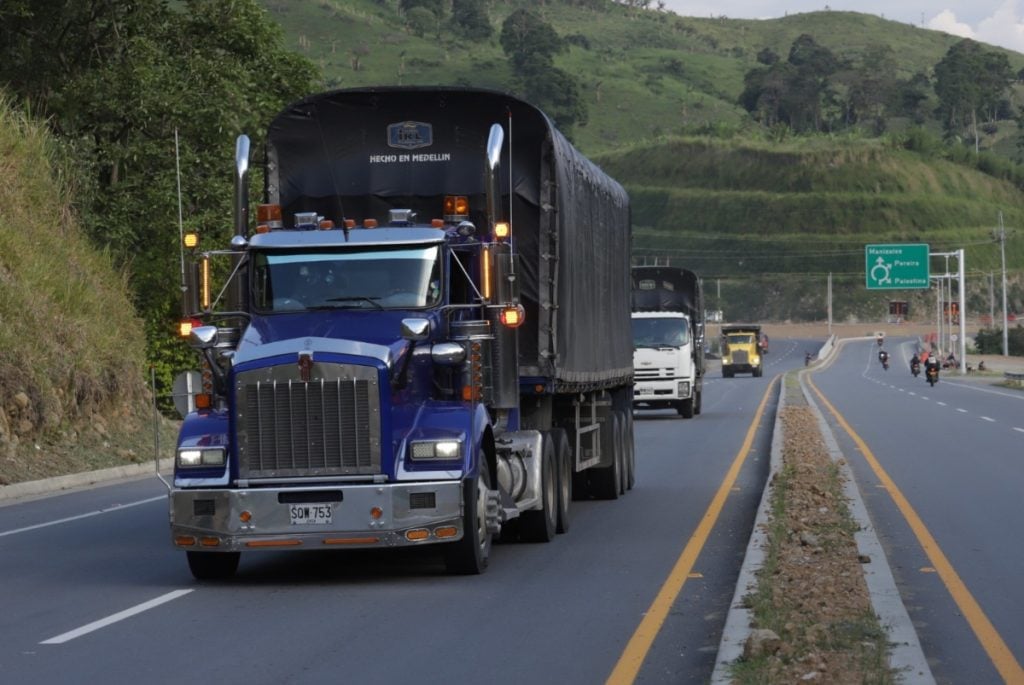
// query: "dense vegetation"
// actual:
[[71, 347]]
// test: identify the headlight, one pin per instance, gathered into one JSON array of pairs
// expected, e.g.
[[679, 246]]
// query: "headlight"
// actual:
[[193, 457], [439, 450], [684, 388]]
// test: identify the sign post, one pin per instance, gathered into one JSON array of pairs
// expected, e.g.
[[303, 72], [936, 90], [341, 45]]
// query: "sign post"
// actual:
[[896, 267]]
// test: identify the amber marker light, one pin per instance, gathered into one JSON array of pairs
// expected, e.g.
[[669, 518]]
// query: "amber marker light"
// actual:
[[437, 223], [369, 223], [512, 316], [351, 541], [209, 542], [191, 240], [245, 516], [417, 534], [376, 513], [273, 543], [446, 532], [184, 540], [502, 230]]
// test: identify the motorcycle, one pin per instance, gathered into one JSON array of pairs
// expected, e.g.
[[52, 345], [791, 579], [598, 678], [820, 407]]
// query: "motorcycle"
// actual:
[[885, 364], [807, 359], [915, 368], [932, 374]]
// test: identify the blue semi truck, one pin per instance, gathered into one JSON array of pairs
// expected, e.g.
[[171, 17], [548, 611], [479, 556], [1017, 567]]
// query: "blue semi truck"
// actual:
[[422, 337]]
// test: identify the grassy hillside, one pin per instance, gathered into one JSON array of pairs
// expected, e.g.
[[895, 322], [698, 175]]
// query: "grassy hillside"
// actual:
[[72, 391], [644, 73], [772, 220]]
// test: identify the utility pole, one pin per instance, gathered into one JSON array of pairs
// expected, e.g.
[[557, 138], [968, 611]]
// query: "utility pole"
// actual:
[[991, 299], [1002, 254], [830, 303]]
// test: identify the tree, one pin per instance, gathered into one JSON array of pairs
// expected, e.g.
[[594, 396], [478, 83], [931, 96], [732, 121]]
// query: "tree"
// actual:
[[116, 79], [969, 81], [531, 45], [530, 42], [471, 18]]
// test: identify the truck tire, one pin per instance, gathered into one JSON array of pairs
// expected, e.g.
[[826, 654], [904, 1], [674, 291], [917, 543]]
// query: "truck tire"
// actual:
[[604, 480], [620, 442], [470, 555], [213, 565], [758, 372], [540, 525], [686, 408], [726, 372], [630, 458], [566, 468], [698, 397]]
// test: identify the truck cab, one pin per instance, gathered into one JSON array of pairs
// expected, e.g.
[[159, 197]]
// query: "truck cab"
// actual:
[[741, 350], [668, 339]]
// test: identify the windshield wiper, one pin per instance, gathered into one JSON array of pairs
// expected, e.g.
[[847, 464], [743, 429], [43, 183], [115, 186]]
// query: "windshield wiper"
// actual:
[[358, 298]]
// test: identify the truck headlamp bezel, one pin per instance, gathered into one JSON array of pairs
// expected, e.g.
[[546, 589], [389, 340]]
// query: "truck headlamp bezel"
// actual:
[[435, 450], [200, 457]]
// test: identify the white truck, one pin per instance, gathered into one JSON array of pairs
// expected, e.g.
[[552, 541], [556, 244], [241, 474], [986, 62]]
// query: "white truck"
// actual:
[[668, 339]]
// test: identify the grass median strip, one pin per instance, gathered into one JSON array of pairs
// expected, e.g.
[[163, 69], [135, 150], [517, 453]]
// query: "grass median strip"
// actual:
[[811, 608]]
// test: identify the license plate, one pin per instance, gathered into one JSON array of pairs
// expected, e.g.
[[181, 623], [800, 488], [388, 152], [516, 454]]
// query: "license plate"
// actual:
[[310, 514], [644, 390]]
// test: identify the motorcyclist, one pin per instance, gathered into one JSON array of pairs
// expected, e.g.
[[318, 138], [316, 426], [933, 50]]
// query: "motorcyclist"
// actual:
[[933, 364], [915, 364], [883, 357]]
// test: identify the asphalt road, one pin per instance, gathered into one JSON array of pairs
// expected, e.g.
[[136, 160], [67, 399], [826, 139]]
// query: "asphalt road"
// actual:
[[941, 471], [92, 590]]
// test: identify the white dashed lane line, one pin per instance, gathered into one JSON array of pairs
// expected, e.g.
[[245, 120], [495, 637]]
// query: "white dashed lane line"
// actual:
[[114, 618], [962, 411], [1019, 430], [986, 418]]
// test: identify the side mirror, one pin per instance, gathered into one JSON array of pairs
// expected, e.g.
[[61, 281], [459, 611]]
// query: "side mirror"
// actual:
[[448, 354], [415, 329], [203, 337]]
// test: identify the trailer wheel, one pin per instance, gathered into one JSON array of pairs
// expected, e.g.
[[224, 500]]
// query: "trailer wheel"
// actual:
[[213, 565], [566, 467], [620, 451], [471, 554], [604, 480], [630, 458], [540, 525]]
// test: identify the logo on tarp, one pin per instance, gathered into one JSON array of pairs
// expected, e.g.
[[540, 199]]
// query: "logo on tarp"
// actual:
[[409, 135]]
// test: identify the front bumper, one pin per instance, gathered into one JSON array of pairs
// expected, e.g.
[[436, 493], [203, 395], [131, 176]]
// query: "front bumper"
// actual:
[[370, 515], [659, 391]]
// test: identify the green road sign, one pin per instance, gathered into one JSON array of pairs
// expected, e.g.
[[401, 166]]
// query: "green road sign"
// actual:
[[896, 267]]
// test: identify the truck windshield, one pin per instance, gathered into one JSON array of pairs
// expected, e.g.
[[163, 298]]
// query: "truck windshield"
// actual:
[[660, 332], [297, 280], [741, 339]]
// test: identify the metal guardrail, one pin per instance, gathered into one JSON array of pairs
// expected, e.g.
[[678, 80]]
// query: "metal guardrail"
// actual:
[[1013, 376]]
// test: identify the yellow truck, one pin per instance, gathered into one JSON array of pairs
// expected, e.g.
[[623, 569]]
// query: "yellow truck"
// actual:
[[741, 352]]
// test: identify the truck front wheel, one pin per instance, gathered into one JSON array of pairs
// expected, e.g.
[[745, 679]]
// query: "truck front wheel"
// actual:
[[540, 525], [471, 554], [698, 395], [213, 565], [686, 408]]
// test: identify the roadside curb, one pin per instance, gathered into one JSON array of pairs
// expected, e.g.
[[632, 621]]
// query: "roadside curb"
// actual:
[[738, 621], [46, 486], [906, 656]]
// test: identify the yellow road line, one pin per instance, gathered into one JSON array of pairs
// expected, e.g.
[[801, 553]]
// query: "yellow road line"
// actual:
[[628, 666], [1001, 656]]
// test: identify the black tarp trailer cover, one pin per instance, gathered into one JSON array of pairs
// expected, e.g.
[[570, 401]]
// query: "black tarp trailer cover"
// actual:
[[668, 289], [356, 153]]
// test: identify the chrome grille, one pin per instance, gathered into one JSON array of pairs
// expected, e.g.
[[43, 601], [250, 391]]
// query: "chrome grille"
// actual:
[[740, 357], [328, 426], [652, 374]]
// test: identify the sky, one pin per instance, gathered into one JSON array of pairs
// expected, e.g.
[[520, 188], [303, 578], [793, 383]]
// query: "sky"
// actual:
[[997, 22]]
